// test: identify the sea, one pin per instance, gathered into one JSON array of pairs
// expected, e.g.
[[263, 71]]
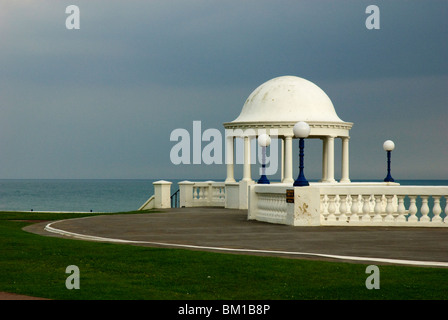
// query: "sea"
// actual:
[[76, 195], [95, 195]]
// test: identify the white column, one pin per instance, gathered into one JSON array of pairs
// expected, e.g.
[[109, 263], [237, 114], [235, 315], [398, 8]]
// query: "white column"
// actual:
[[162, 194], [186, 194], [247, 180], [247, 158], [282, 159], [229, 160], [345, 160], [324, 160], [330, 159], [288, 161]]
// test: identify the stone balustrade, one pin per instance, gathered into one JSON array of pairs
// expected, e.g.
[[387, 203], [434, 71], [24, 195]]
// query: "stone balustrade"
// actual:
[[202, 194], [268, 203], [272, 207], [412, 206], [351, 205], [354, 204]]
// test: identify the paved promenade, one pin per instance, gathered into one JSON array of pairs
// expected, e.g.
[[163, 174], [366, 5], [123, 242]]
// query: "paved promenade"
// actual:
[[224, 230]]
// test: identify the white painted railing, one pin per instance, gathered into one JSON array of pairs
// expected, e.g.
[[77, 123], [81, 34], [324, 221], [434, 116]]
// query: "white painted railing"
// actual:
[[202, 194], [351, 205], [417, 206], [272, 207], [268, 203]]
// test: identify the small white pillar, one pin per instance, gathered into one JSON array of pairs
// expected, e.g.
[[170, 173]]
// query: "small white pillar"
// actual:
[[288, 160], [244, 193], [310, 199], [229, 160], [345, 161], [232, 195], [162, 194], [186, 194]]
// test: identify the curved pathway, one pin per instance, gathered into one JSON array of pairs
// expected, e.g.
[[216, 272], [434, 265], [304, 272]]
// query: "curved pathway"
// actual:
[[224, 230]]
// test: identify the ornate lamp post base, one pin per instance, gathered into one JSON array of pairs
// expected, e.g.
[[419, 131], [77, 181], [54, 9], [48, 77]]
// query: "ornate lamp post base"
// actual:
[[299, 183], [263, 180]]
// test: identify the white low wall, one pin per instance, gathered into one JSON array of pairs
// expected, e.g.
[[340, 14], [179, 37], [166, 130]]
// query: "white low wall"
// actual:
[[202, 194], [354, 204], [231, 195], [268, 203], [351, 205]]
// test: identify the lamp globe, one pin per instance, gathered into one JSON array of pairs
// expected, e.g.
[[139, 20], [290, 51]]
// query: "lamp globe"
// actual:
[[301, 129], [264, 140], [388, 145]]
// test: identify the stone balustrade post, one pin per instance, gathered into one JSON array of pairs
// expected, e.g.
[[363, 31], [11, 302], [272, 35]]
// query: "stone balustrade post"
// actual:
[[162, 194], [186, 194]]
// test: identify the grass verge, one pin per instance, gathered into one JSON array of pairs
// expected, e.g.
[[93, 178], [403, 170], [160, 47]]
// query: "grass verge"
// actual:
[[35, 265]]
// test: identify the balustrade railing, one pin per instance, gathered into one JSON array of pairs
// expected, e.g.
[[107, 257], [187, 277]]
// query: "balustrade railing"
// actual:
[[267, 203], [202, 194], [356, 205], [272, 206], [385, 206]]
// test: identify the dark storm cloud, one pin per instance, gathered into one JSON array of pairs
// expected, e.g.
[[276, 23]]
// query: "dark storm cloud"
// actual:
[[101, 101], [216, 42]]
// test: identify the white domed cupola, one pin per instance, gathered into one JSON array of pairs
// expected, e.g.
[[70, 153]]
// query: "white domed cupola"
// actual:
[[290, 99], [273, 108]]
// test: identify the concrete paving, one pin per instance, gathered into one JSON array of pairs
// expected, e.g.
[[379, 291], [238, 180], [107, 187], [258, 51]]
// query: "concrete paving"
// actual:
[[214, 228]]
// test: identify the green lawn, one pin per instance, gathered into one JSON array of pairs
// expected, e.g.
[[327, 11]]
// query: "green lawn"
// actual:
[[35, 265]]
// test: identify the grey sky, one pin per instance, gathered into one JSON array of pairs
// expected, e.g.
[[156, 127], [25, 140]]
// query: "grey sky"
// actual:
[[101, 102]]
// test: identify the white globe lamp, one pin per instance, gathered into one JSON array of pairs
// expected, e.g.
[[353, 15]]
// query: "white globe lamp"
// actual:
[[301, 130], [264, 140], [388, 145]]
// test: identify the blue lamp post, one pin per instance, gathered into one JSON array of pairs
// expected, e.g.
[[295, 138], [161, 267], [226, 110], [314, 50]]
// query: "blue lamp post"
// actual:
[[388, 146], [263, 141], [301, 130]]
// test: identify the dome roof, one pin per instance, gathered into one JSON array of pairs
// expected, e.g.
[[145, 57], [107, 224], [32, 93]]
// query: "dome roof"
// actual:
[[288, 99]]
